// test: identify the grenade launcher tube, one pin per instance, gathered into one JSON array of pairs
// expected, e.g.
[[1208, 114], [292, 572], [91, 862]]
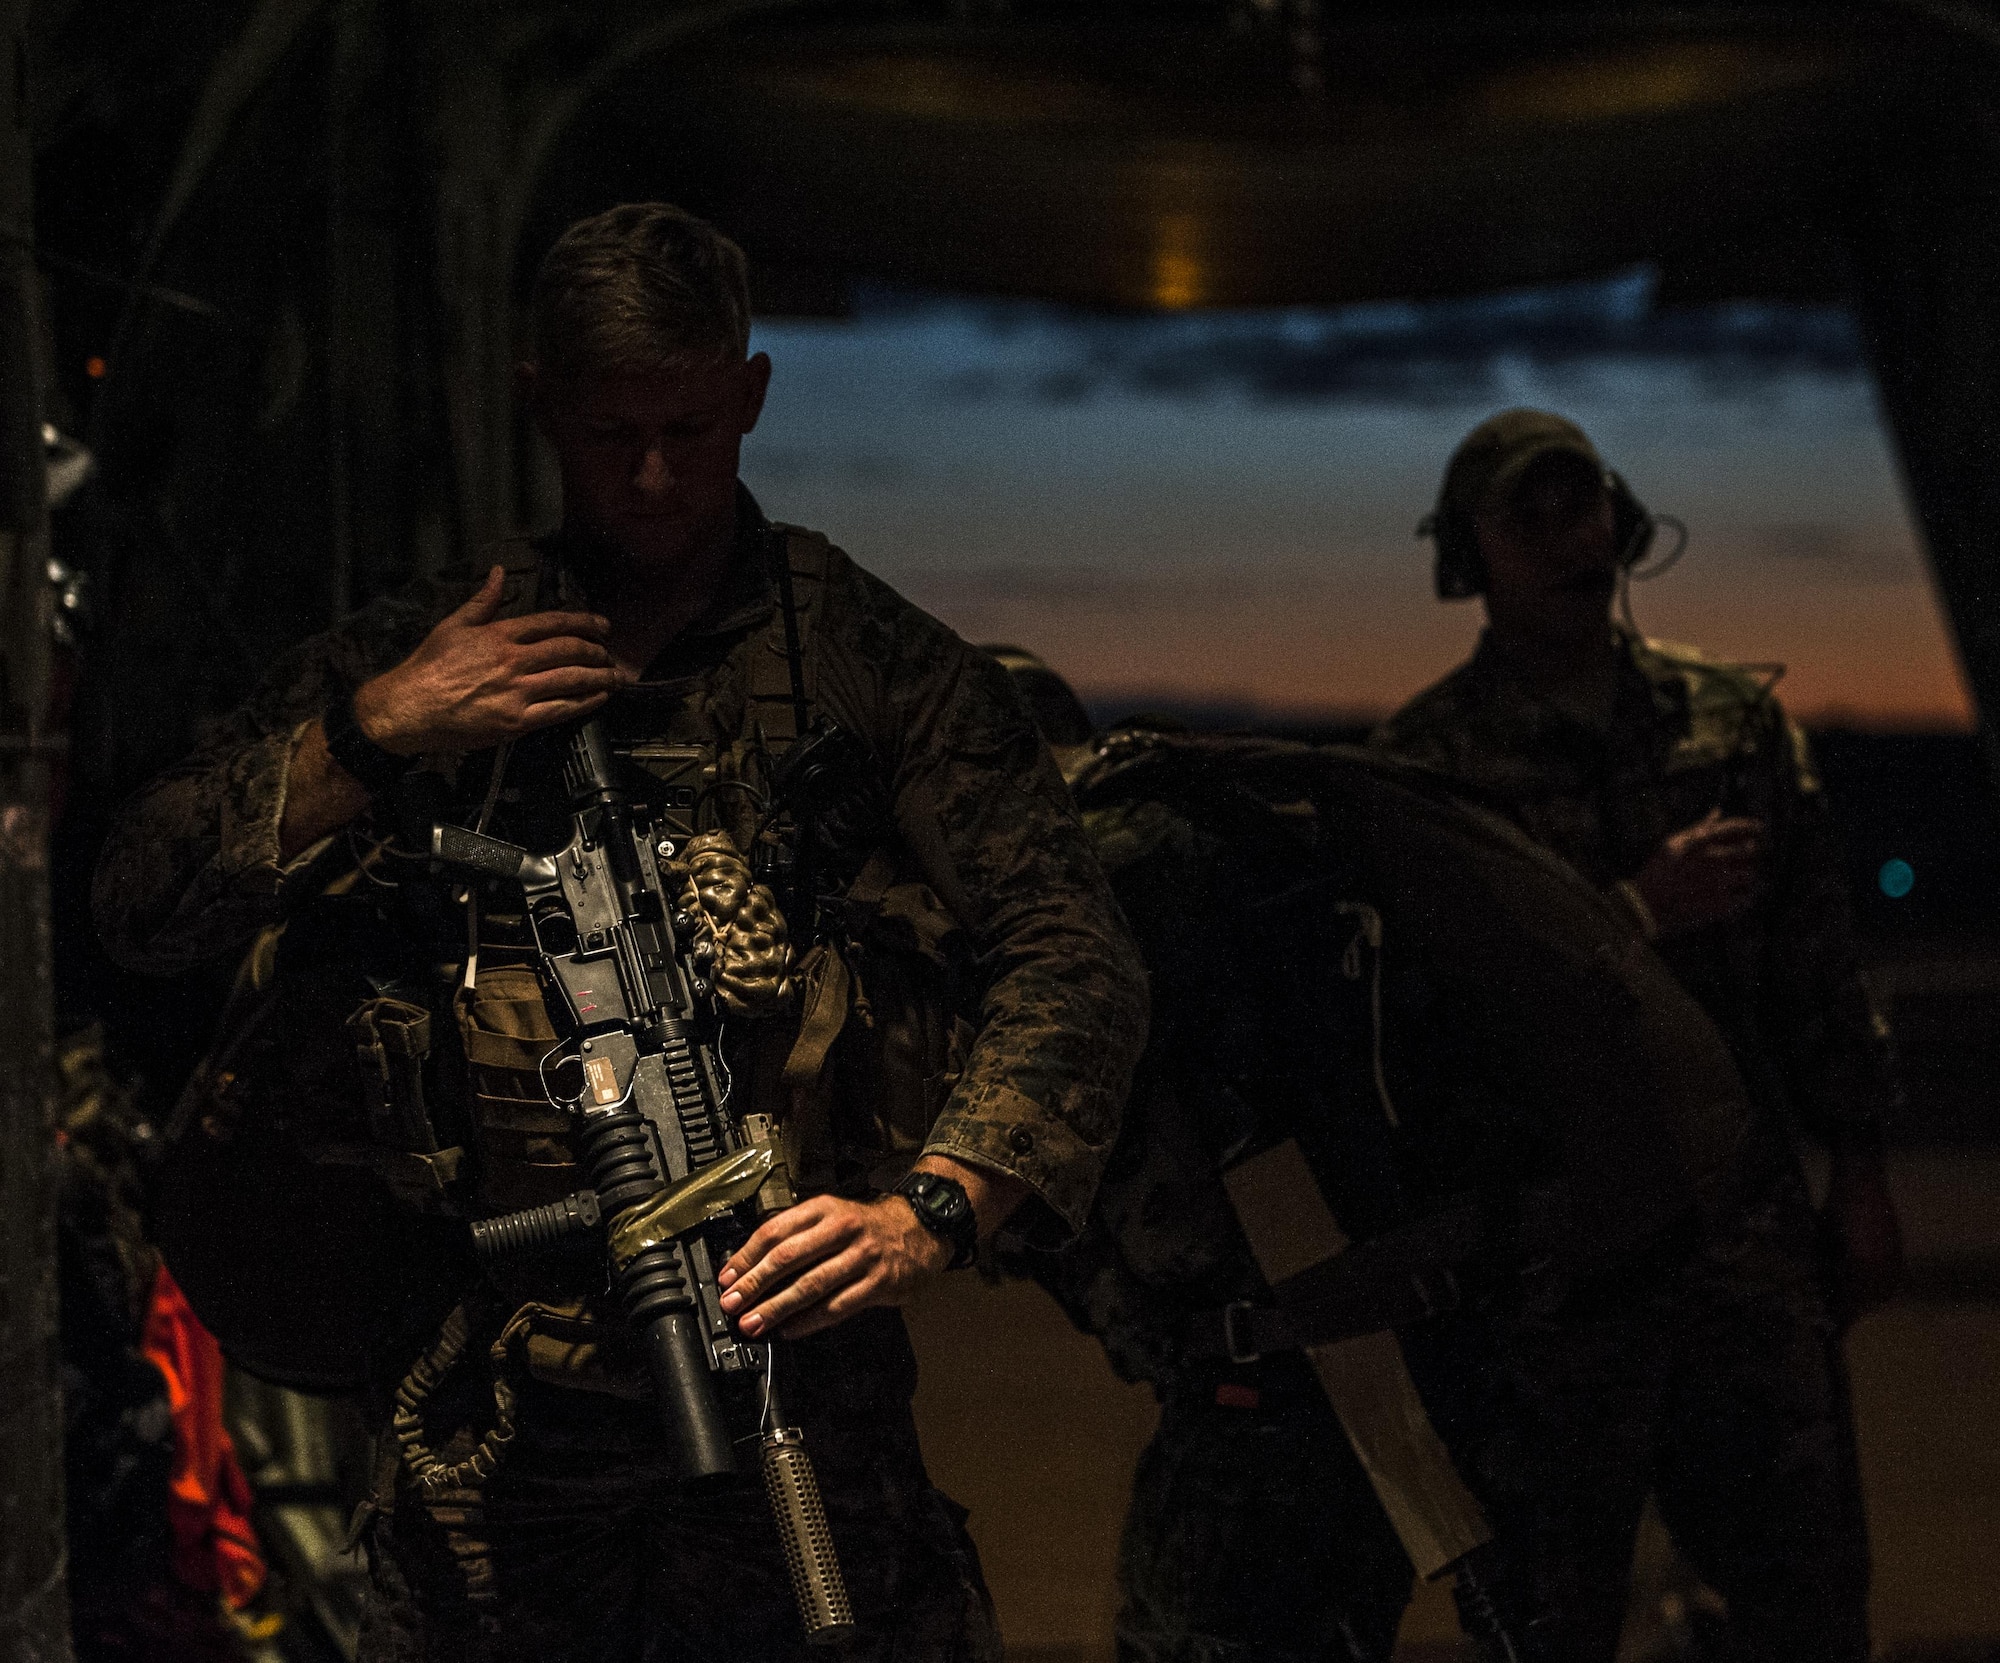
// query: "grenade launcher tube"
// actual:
[[660, 1299]]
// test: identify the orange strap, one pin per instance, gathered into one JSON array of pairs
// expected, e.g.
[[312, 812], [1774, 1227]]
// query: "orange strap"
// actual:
[[208, 1498]]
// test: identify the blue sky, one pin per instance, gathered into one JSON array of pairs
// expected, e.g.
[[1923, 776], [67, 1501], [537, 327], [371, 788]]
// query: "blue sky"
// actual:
[[1220, 506]]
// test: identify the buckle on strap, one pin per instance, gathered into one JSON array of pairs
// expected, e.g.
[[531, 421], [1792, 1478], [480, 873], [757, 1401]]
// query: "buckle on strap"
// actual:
[[1241, 1352]]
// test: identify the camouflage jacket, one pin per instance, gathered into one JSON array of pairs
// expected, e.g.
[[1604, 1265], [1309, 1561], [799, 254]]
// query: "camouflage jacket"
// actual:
[[191, 870], [1162, 1238], [1784, 982]]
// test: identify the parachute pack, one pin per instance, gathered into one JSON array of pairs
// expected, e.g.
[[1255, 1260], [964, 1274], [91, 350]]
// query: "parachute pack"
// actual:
[[1450, 1021]]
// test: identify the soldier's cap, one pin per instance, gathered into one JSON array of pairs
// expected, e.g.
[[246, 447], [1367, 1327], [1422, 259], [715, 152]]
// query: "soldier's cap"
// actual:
[[1491, 460]]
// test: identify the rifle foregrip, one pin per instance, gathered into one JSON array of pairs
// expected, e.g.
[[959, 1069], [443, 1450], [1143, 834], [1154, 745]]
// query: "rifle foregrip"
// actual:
[[817, 1584]]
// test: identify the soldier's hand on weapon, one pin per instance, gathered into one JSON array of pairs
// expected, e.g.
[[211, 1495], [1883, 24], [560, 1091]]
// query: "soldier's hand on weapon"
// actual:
[[824, 1259], [475, 680], [1703, 874], [478, 678], [818, 1263]]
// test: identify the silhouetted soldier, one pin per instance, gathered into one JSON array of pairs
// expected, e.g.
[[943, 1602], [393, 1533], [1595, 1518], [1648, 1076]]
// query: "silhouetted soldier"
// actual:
[[1679, 788]]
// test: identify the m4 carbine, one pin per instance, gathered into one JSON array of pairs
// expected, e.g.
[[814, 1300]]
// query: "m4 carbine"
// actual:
[[663, 1153]]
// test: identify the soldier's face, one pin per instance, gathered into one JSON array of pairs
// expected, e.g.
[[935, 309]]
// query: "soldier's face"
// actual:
[[649, 460], [1551, 553]]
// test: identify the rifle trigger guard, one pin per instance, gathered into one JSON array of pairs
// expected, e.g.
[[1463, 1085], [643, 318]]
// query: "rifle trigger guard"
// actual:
[[1240, 1353]]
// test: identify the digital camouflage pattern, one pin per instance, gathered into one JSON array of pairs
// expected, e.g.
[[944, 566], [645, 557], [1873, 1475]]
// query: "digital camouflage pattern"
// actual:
[[191, 871], [1180, 1247], [579, 1545], [1686, 736]]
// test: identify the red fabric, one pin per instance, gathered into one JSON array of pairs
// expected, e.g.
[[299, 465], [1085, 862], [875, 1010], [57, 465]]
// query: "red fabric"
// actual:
[[208, 1499]]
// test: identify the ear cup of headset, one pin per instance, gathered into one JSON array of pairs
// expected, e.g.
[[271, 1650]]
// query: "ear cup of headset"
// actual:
[[1460, 569]]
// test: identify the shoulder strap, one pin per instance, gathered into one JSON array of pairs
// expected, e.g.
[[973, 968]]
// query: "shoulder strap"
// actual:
[[784, 667], [1291, 1230], [788, 612], [543, 592]]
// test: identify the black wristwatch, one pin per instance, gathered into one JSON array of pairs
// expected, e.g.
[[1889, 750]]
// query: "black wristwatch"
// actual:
[[379, 770], [942, 1207]]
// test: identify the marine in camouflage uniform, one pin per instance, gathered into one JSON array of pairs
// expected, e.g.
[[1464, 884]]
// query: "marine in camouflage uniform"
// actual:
[[580, 1545], [1719, 1383]]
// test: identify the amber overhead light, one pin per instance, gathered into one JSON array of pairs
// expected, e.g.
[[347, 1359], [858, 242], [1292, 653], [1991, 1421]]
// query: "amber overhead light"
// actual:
[[1174, 167]]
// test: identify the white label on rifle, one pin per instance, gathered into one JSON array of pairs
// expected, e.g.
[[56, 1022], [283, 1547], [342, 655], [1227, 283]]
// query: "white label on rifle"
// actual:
[[601, 1079]]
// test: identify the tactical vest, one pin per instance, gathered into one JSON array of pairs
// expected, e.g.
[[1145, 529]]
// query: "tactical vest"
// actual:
[[359, 1106]]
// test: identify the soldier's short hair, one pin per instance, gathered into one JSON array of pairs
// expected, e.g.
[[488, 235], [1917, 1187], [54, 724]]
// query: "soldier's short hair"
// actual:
[[643, 286]]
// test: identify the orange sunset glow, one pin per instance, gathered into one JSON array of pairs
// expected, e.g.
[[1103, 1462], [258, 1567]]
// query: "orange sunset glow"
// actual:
[[1217, 512]]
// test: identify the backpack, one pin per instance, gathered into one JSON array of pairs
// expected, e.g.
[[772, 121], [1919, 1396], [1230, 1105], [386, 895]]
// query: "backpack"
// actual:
[[1345, 952]]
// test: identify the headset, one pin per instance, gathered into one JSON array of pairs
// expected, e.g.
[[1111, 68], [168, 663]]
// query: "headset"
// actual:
[[1461, 569]]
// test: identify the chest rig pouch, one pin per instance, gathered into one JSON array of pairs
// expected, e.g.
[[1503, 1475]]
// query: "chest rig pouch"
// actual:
[[851, 1069]]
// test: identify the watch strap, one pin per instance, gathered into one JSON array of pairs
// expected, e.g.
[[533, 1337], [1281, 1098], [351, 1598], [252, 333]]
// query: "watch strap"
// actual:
[[943, 1208], [378, 770]]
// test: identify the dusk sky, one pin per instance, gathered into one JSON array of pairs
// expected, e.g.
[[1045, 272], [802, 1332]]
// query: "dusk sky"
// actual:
[[1219, 507]]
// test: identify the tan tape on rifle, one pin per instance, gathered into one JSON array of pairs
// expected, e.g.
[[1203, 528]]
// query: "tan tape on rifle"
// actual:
[[699, 1196], [1290, 1229]]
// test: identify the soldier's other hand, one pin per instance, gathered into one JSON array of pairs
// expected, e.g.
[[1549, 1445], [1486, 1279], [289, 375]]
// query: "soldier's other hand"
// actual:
[[1865, 1239], [478, 678], [1703, 874], [819, 1262]]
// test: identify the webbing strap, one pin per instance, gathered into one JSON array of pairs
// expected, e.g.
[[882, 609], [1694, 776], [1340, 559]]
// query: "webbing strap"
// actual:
[[782, 676], [873, 882], [1291, 1230], [828, 990], [1402, 1277], [788, 609]]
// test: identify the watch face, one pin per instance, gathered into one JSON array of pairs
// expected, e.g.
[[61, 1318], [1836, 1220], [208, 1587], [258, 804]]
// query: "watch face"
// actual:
[[942, 1208]]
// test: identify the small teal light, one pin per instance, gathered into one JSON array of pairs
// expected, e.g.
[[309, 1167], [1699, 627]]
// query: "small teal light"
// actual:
[[1897, 878]]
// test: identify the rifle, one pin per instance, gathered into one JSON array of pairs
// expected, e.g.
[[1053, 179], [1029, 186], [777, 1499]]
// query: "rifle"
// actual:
[[663, 1153]]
